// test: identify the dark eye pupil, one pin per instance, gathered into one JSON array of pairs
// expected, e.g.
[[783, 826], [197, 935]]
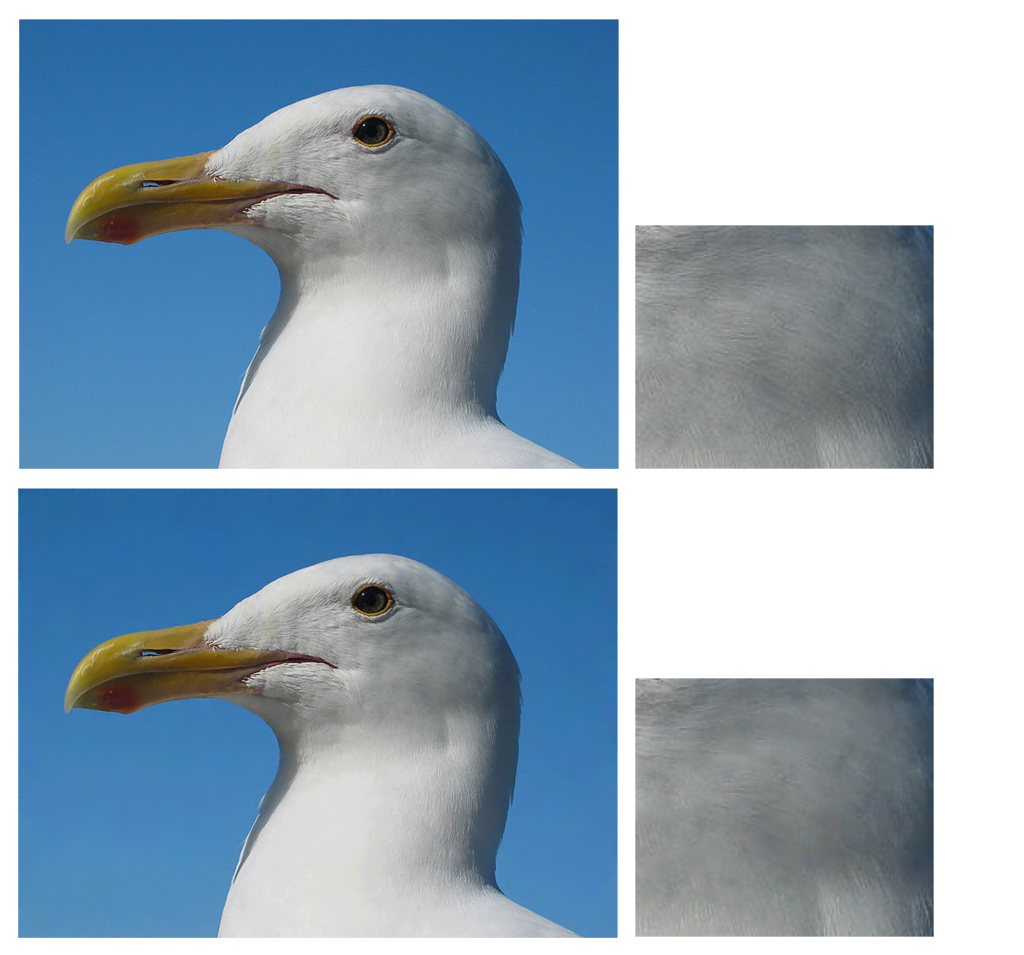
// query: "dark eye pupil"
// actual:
[[371, 600], [372, 131]]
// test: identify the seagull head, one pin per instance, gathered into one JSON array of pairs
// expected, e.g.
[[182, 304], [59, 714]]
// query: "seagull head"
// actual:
[[367, 170], [373, 644]]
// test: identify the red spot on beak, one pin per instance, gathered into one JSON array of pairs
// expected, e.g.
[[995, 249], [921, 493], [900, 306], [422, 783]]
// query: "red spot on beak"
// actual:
[[119, 228], [119, 698]]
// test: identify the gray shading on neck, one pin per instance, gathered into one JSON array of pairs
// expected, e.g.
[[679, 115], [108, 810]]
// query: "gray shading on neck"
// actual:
[[784, 347], [784, 807]]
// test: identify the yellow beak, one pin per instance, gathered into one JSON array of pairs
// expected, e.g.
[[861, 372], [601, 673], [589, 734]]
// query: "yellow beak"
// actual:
[[139, 669], [135, 202]]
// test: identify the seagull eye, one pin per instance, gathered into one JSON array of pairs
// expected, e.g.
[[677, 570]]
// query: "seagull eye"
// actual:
[[372, 601], [373, 131]]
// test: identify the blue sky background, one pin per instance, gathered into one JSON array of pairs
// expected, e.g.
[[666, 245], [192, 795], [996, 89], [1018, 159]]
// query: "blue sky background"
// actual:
[[132, 356], [132, 825]]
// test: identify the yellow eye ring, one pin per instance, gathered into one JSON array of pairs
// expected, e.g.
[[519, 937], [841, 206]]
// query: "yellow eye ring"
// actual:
[[372, 601], [373, 131]]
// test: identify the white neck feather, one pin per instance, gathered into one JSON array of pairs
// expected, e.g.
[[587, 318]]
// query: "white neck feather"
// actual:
[[377, 359], [369, 832]]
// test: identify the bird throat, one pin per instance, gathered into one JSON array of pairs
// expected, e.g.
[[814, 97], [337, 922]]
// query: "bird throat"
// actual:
[[352, 831], [363, 369]]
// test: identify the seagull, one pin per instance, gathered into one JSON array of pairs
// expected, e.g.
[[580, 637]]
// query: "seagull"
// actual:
[[395, 700], [396, 232], [783, 807], [783, 347]]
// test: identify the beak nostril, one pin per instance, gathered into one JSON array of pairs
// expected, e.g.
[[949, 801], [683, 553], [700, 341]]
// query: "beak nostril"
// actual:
[[155, 653], [151, 183]]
